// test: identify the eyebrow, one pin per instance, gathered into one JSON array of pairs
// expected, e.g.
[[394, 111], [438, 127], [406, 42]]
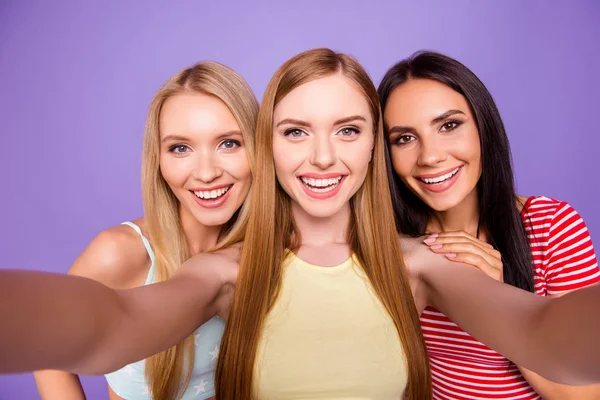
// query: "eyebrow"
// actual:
[[350, 119], [445, 115], [436, 120], [345, 120], [293, 121], [170, 138]]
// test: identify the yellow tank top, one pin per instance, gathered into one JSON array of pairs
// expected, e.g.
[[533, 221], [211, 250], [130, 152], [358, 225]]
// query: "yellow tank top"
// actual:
[[328, 337]]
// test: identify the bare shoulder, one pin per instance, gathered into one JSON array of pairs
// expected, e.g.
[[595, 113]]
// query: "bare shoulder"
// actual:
[[423, 264], [415, 252], [116, 257], [418, 257], [415, 259], [521, 201]]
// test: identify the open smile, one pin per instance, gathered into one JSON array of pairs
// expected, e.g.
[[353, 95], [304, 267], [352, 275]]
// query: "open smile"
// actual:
[[321, 186], [211, 197]]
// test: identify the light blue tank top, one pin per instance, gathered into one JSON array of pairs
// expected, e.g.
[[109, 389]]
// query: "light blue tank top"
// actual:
[[130, 383]]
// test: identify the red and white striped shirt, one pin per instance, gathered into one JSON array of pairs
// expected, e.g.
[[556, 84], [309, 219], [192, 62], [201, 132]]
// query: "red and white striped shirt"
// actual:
[[564, 260]]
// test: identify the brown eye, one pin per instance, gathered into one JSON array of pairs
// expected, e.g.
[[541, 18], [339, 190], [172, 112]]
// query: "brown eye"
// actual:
[[450, 125], [404, 139]]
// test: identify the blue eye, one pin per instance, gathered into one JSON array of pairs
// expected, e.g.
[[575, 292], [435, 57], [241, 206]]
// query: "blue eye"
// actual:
[[294, 132], [349, 132], [230, 144], [178, 148]]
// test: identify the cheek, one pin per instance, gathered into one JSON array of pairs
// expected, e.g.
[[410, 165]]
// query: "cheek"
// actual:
[[287, 157], [357, 153], [284, 169], [174, 171], [238, 167], [359, 160], [468, 150], [403, 162]]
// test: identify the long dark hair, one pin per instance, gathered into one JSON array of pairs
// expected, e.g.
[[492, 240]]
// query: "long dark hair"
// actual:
[[499, 215]]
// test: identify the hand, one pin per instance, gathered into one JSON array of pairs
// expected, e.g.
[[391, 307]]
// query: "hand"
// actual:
[[461, 247], [220, 270], [233, 252], [230, 269]]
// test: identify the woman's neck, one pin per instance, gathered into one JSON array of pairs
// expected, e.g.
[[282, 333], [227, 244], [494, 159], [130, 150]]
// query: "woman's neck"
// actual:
[[324, 240], [462, 217], [199, 237]]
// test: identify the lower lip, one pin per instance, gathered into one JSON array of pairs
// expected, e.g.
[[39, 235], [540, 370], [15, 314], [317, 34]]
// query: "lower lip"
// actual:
[[322, 195], [440, 187], [212, 203]]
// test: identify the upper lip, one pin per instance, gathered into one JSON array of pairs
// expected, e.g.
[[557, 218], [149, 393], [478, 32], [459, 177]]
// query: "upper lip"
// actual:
[[437, 174], [208, 189], [321, 176]]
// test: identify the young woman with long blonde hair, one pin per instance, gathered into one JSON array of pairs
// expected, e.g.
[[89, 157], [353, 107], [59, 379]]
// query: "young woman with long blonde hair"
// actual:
[[196, 174]]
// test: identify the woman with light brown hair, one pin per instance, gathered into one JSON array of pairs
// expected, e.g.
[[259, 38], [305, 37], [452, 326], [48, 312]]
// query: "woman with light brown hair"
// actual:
[[196, 174], [323, 305]]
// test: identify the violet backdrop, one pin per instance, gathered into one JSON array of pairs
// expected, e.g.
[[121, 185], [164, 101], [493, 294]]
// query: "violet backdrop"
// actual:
[[76, 79]]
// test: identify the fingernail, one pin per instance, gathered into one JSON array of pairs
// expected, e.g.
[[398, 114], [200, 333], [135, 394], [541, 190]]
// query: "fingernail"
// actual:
[[431, 239], [436, 246], [450, 255]]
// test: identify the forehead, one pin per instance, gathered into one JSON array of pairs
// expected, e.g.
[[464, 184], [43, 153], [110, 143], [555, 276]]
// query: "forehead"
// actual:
[[423, 99], [323, 100], [188, 113]]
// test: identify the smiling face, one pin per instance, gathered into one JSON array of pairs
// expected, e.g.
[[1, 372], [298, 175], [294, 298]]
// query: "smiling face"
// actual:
[[434, 142], [203, 157], [322, 144]]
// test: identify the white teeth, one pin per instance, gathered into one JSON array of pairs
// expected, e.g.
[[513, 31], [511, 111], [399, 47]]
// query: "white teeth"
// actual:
[[212, 194], [321, 185], [442, 178]]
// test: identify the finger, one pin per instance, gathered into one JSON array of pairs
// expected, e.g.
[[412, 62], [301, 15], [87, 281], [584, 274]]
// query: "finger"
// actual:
[[464, 235], [466, 248], [436, 241], [448, 239]]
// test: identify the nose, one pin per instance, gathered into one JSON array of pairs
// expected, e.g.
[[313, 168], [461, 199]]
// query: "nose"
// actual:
[[207, 168], [323, 152], [432, 152]]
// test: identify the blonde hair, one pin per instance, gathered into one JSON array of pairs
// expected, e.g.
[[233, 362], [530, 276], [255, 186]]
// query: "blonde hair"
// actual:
[[169, 373], [271, 230]]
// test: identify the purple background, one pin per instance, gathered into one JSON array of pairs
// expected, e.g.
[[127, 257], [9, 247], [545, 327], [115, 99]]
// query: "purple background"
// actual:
[[76, 79]]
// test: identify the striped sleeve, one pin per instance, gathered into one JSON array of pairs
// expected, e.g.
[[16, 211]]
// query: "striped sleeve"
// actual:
[[570, 257]]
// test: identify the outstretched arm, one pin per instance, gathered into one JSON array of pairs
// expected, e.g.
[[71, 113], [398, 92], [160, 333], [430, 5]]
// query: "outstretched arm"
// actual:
[[117, 258], [53, 321], [528, 329], [572, 269]]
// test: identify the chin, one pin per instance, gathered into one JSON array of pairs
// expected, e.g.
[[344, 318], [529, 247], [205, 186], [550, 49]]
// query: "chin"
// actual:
[[215, 218], [319, 211], [442, 205]]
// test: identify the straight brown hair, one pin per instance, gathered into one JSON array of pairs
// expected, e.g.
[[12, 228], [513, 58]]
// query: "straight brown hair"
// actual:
[[271, 230]]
